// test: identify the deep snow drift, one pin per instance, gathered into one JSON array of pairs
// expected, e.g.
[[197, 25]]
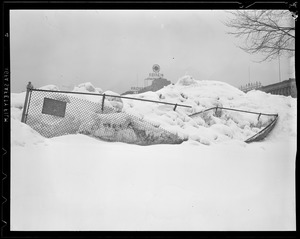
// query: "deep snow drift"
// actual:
[[212, 181]]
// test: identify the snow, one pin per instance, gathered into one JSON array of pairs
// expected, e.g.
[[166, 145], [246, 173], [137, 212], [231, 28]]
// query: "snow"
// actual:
[[86, 87], [49, 87], [187, 80], [212, 181]]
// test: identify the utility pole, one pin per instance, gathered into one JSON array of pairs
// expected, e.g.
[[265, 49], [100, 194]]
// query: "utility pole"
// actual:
[[279, 68], [249, 73]]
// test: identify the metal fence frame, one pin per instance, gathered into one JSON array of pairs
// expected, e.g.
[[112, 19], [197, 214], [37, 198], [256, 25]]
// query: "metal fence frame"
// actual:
[[29, 91], [257, 137]]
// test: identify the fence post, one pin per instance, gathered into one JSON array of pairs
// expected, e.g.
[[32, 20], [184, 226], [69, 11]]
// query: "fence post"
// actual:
[[29, 87], [175, 107], [103, 98], [258, 116]]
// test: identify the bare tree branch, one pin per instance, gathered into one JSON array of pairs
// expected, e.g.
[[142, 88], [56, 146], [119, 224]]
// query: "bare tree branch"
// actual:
[[271, 32]]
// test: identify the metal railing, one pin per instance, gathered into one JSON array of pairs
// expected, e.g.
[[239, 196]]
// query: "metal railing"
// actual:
[[117, 96]]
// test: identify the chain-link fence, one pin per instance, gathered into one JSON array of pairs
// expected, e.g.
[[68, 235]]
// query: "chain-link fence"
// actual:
[[55, 113]]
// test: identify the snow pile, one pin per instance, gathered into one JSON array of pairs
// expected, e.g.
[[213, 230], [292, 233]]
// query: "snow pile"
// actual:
[[22, 134], [213, 126], [186, 81], [87, 87], [17, 100], [49, 87]]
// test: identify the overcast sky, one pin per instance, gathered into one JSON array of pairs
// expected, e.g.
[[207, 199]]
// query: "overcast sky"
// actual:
[[116, 49]]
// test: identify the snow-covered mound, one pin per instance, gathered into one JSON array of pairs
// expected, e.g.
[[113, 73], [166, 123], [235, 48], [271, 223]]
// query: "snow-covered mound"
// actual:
[[22, 134], [186, 81], [212, 126], [49, 87], [87, 87], [17, 100]]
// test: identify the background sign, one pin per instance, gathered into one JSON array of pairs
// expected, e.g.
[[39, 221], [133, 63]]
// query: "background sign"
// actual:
[[156, 68], [156, 75], [136, 88]]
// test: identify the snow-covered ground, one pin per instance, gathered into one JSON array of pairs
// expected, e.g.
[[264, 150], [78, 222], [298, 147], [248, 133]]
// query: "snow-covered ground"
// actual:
[[212, 181]]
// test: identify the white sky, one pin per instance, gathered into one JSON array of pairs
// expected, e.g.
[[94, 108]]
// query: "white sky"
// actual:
[[116, 49]]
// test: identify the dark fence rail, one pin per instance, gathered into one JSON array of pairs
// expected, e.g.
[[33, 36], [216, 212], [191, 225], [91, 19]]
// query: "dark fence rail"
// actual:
[[116, 96], [243, 111]]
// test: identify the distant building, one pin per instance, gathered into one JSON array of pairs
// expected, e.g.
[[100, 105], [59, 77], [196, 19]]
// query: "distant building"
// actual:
[[157, 82], [287, 87], [156, 85]]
